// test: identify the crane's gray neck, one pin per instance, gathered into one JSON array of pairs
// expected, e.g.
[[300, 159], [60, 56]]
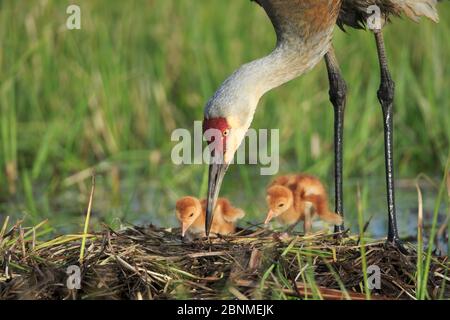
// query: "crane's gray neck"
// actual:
[[282, 65], [240, 93]]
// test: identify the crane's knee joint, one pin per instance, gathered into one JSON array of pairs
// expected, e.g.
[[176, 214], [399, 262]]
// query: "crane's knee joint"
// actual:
[[386, 92], [338, 91]]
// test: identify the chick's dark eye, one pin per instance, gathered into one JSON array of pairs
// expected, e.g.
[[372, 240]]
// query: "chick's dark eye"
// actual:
[[226, 132], [281, 205], [191, 215]]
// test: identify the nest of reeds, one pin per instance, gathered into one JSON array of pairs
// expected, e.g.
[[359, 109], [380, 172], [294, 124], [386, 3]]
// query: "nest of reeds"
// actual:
[[154, 263]]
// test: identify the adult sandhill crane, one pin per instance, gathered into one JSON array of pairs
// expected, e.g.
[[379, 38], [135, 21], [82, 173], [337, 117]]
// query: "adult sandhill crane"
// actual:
[[304, 32]]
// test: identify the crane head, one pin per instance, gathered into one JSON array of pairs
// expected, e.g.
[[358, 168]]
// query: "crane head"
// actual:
[[279, 200], [224, 135], [227, 117], [188, 209], [216, 132]]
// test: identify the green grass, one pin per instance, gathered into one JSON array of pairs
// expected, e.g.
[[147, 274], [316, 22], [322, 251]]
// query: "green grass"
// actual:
[[362, 199], [423, 267], [109, 95]]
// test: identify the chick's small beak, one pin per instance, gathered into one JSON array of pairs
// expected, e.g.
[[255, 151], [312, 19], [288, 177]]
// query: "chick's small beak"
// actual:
[[216, 174], [184, 227], [270, 215]]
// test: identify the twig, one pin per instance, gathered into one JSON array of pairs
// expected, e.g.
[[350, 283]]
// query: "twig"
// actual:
[[86, 221]]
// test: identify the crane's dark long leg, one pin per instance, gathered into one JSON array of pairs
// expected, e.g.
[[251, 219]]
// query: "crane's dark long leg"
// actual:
[[338, 95], [386, 98]]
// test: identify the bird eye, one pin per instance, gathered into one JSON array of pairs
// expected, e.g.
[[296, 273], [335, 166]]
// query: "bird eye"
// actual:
[[226, 132], [281, 205], [191, 215]]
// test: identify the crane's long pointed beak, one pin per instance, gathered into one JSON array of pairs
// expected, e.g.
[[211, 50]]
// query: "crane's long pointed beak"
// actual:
[[216, 174]]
